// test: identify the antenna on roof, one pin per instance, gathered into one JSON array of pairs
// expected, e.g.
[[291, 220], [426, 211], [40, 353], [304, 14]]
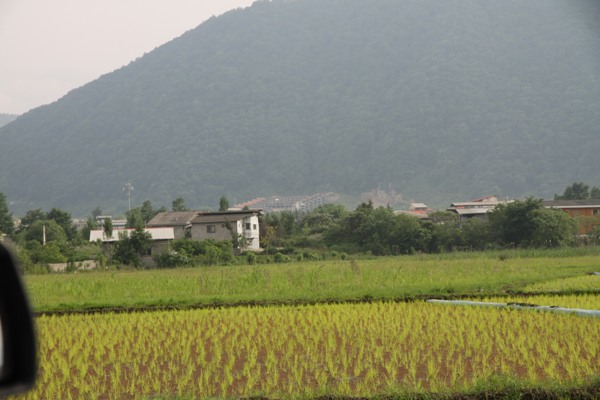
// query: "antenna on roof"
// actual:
[[129, 188]]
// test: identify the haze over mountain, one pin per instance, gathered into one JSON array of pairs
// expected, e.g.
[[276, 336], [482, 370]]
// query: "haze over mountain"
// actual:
[[444, 100], [6, 118]]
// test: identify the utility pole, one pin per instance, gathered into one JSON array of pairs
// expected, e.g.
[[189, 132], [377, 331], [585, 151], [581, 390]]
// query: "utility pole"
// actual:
[[128, 188]]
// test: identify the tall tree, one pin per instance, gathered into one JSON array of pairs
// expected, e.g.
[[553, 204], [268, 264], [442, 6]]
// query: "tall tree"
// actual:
[[107, 228], [6, 223], [148, 212], [223, 203], [576, 191], [90, 224], [130, 248], [96, 212], [178, 204], [33, 215], [64, 219], [135, 219], [47, 229]]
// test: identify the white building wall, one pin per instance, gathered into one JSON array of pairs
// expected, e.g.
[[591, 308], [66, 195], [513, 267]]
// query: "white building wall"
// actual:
[[247, 227], [251, 232]]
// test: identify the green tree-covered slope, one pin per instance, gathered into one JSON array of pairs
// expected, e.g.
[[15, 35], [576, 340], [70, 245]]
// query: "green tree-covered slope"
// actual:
[[443, 99]]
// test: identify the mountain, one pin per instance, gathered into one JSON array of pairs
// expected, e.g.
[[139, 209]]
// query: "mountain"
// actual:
[[444, 100]]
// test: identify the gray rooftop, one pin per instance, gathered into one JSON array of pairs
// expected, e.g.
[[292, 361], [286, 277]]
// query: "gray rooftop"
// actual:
[[588, 203], [223, 216], [173, 218]]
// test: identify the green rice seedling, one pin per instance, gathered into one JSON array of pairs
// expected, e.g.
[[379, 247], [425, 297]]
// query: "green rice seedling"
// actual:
[[354, 350]]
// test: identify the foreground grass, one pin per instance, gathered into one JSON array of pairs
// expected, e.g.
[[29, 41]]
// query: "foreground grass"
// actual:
[[413, 350], [308, 282], [299, 352]]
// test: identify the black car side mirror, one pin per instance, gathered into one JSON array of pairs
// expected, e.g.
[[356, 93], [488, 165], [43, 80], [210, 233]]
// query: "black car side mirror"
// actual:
[[17, 336]]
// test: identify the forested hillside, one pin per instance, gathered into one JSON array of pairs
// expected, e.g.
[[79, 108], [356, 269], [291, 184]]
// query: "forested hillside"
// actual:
[[443, 99]]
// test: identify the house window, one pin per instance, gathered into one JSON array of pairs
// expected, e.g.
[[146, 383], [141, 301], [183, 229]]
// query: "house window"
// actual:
[[254, 227], [247, 226], [596, 212], [210, 229]]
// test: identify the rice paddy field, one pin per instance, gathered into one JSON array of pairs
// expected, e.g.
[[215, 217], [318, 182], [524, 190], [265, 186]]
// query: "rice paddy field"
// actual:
[[302, 333]]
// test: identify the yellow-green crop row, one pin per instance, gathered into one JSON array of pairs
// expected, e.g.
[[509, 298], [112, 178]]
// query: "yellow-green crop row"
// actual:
[[581, 283], [305, 351]]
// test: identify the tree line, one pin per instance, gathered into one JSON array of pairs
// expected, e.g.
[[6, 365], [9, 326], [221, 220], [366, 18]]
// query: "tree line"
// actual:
[[51, 237], [579, 191], [379, 231]]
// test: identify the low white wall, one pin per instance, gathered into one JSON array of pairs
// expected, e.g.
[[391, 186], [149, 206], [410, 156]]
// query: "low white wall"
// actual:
[[62, 267]]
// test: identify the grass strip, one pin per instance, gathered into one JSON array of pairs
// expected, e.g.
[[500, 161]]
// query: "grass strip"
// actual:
[[390, 278]]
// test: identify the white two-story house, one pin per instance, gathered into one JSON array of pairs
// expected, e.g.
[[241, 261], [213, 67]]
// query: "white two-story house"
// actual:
[[227, 225]]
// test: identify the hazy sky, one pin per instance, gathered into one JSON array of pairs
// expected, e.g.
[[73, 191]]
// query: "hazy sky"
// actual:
[[48, 47]]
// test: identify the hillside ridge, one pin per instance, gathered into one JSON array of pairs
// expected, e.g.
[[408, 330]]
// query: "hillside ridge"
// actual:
[[442, 100]]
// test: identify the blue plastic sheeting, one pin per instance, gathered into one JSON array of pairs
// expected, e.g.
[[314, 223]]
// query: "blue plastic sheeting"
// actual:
[[577, 311]]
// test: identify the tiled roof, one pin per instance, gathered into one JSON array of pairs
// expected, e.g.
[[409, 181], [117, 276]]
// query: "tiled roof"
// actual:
[[412, 214]]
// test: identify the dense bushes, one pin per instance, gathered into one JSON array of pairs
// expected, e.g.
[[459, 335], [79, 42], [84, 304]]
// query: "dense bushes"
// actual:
[[187, 252], [518, 224], [379, 231], [528, 224]]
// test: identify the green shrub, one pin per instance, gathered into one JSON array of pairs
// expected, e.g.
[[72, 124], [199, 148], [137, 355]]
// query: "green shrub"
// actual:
[[205, 252], [281, 258], [48, 254], [307, 255], [171, 259]]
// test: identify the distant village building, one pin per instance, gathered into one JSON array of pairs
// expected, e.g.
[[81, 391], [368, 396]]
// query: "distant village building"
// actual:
[[180, 221], [241, 226], [228, 225], [477, 208], [159, 240], [232, 224], [116, 223], [586, 211], [417, 210], [290, 203]]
